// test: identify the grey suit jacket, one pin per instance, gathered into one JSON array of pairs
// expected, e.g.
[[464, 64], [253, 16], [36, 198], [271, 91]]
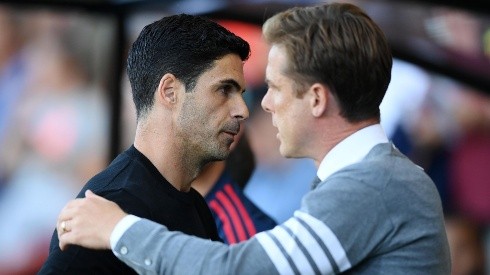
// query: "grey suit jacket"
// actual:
[[382, 215]]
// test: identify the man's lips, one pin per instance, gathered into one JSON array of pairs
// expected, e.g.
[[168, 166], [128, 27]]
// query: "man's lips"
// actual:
[[232, 129]]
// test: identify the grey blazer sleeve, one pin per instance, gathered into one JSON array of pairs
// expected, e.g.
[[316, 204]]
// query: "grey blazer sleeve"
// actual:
[[149, 248]]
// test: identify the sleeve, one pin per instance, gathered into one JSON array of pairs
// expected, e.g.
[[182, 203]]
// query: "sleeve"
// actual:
[[335, 229], [121, 227], [149, 248], [301, 245], [355, 218]]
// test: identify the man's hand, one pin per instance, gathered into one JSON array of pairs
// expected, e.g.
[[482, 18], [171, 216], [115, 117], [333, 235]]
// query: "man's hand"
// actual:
[[88, 222]]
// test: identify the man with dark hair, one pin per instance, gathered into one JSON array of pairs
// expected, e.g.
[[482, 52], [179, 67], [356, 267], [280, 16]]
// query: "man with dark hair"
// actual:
[[372, 211], [186, 75]]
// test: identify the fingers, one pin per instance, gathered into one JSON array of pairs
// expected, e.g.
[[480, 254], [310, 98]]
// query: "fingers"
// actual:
[[90, 194], [72, 207], [62, 235], [65, 218], [88, 222], [65, 221], [69, 223], [63, 227], [63, 244], [65, 239]]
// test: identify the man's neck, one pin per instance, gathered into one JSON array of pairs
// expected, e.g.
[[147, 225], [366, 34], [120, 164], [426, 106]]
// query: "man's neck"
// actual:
[[167, 157], [335, 135], [208, 177]]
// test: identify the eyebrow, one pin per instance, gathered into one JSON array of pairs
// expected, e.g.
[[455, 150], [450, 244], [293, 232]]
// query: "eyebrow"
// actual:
[[233, 83]]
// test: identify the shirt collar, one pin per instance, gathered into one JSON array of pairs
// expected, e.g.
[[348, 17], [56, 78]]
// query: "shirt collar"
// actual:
[[351, 150]]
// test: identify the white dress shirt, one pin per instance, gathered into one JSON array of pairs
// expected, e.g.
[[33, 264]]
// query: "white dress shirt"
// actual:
[[351, 150]]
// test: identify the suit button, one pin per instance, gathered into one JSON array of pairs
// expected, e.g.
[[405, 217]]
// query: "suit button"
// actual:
[[147, 262], [124, 250]]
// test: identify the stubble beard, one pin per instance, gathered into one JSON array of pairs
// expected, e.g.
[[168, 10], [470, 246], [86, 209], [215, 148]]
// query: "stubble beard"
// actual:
[[207, 149], [203, 146], [218, 151]]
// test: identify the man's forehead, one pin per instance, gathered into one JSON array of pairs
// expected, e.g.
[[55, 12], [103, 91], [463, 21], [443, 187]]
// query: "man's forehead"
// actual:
[[229, 69]]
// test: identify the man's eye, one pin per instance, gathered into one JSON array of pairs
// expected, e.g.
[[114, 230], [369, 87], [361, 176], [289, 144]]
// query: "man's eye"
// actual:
[[226, 89]]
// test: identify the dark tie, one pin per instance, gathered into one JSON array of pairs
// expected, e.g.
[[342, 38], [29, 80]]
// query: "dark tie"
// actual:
[[315, 182]]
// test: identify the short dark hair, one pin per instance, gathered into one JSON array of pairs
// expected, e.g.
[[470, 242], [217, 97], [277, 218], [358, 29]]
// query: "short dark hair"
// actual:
[[184, 45], [337, 45]]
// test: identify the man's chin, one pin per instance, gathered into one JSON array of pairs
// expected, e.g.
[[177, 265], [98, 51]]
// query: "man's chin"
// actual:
[[223, 155], [283, 151], [288, 153]]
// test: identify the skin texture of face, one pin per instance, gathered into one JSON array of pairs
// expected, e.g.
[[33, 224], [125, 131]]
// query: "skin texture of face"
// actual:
[[290, 114], [210, 115]]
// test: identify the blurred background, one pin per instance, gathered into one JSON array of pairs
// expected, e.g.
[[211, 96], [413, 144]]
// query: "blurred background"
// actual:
[[66, 109]]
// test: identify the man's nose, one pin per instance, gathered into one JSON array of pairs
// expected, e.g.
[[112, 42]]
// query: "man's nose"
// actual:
[[265, 103], [240, 111]]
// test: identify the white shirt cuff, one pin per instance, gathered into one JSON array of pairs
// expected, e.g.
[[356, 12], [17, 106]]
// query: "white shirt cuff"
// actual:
[[122, 226]]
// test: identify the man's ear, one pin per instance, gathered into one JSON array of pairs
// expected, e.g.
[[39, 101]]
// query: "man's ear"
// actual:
[[167, 89], [319, 99]]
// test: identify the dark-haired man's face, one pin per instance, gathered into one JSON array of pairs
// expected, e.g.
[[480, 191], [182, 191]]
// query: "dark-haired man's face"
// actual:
[[210, 117]]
